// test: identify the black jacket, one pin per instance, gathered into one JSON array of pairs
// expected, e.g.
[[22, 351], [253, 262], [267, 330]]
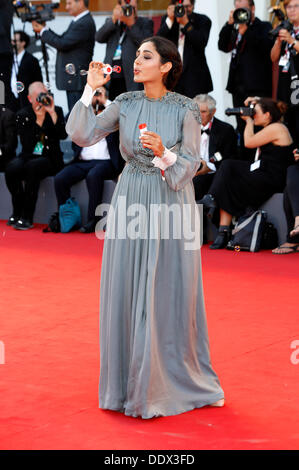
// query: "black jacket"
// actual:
[[252, 67], [74, 46], [28, 72], [50, 135], [110, 34], [113, 148], [223, 139], [8, 136], [196, 77]]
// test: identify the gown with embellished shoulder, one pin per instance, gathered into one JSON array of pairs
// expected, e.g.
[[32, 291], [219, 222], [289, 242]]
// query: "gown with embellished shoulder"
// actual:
[[154, 347]]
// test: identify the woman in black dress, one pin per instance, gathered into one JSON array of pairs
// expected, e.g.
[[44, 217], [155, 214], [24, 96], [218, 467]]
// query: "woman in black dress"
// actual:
[[291, 209], [285, 52], [239, 184]]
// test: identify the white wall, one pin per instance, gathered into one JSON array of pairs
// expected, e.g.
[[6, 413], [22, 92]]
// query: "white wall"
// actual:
[[216, 10]]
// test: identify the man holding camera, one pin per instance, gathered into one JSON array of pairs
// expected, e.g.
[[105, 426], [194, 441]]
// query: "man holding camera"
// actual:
[[40, 127], [123, 32], [190, 33], [74, 46], [249, 43]]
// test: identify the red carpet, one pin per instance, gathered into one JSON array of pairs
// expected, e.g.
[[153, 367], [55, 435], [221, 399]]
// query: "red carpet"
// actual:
[[49, 328]]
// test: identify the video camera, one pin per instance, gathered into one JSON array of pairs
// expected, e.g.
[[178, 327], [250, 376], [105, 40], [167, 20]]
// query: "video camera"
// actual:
[[127, 9], [242, 111], [40, 12], [242, 16], [179, 10], [285, 24]]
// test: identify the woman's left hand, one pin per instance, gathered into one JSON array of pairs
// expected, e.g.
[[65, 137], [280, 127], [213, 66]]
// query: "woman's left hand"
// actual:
[[153, 141], [246, 118]]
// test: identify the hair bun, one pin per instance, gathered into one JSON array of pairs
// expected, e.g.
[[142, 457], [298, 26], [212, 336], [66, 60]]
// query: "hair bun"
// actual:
[[282, 106]]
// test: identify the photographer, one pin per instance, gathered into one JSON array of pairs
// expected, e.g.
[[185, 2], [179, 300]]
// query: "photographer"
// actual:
[[190, 33], [123, 32], [285, 50], [239, 185], [74, 46], [291, 208], [250, 72], [40, 127]]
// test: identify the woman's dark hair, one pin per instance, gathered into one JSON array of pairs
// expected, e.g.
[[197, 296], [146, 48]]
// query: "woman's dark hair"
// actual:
[[168, 52], [276, 108]]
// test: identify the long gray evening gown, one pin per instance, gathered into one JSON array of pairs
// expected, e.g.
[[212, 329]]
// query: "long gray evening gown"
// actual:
[[154, 348]]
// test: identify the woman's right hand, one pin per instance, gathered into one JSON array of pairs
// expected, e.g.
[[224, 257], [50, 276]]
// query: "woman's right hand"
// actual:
[[95, 76]]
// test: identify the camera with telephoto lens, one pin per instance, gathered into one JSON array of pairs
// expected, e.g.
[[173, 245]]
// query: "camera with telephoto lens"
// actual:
[[127, 9], [242, 16], [179, 10], [40, 12], [45, 99], [242, 111], [285, 24]]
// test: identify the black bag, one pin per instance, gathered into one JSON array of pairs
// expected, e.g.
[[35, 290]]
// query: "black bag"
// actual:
[[53, 224], [248, 232], [270, 237]]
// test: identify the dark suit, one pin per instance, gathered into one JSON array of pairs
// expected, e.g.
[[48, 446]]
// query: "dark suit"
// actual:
[[250, 72], [8, 136], [30, 168], [196, 77], [223, 139], [28, 72], [74, 46], [110, 34], [94, 171]]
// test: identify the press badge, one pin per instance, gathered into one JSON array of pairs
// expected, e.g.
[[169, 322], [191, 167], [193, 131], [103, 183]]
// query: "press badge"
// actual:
[[255, 165], [38, 149], [284, 63], [117, 53]]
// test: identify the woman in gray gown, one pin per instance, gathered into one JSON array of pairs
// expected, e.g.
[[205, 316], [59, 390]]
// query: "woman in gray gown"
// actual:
[[154, 347]]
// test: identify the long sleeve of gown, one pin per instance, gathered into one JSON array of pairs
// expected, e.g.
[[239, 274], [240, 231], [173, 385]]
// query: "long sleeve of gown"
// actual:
[[188, 153], [85, 129]]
